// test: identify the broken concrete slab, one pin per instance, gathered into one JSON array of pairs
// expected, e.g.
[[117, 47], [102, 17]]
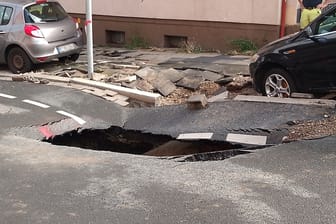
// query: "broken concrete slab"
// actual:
[[264, 99], [219, 98], [171, 74], [147, 74], [144, 85], [197, 102], [211, 76], [190, 82], [164, 86], [122, 103], [110, 93], [224, 80], [239, 82]]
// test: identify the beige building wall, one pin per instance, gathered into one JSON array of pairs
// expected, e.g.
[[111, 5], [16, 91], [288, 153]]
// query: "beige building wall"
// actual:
[[210, 23], [239, 11]]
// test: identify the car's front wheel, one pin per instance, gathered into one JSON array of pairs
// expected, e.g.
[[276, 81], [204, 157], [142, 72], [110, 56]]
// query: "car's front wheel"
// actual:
[[277, 83], [18, 61]]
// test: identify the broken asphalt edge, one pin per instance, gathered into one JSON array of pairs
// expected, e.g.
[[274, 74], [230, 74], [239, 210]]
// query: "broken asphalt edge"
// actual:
[[144, 96], [309, 102]]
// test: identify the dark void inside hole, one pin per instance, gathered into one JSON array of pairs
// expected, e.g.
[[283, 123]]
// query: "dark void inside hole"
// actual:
[[116, 139]]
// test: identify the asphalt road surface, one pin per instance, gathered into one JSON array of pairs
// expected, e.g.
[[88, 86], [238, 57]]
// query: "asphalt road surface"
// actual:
[[44, 183]]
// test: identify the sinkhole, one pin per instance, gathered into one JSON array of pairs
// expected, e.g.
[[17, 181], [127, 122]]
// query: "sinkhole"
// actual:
[[116, 139]]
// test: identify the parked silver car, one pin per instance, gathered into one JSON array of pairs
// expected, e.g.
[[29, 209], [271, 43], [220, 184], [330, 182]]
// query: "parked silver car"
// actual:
[[33, 32]]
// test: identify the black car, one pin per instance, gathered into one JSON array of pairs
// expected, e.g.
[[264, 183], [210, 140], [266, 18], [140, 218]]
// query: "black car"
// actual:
[[301, 62]]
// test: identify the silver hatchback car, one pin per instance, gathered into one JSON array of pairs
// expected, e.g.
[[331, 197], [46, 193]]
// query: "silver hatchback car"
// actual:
[[33, 32]]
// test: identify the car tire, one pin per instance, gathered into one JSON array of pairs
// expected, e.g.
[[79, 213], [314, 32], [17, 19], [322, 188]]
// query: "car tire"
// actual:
[[277, 83], [18, 61], [74, 57]]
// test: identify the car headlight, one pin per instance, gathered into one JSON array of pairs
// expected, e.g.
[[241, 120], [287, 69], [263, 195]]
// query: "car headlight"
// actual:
[[254, 58]]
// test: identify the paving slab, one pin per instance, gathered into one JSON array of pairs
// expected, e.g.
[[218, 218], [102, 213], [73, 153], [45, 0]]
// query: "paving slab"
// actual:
[[164, 86], [211, 76], [171, 74], [190, 82]]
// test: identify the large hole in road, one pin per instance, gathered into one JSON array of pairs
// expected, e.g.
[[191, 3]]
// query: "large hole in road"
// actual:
[[116, 139]]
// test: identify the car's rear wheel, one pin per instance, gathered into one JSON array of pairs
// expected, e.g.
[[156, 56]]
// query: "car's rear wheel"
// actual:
[[18, 61], [277, 83]]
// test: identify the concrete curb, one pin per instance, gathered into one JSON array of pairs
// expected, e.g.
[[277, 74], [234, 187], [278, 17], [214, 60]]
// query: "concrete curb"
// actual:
[[147, 97], [309, 102]]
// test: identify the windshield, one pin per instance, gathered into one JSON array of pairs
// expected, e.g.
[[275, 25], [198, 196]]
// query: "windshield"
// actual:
[[44, 12]]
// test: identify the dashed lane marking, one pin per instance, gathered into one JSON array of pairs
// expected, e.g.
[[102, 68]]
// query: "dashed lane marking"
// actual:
[[247, 139], [74, 117], [45, 106], [38, 104], [194, 136], [7, 96]]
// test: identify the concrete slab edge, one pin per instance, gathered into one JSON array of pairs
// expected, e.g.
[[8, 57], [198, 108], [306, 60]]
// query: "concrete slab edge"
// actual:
[[309, 102], [132, 93], [147, 97]]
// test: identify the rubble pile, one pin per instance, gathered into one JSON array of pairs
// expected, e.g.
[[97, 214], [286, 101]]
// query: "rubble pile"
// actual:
[[174, 79]]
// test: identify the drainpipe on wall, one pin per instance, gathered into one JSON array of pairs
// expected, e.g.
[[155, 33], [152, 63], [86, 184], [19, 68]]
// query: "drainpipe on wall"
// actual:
[[283, 18]]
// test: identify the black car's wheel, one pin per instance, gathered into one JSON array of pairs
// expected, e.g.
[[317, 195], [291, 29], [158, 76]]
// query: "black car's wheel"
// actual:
[[18, 61], [277, 83]]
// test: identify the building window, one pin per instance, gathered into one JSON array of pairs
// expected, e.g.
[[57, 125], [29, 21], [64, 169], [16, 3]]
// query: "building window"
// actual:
[[115, 37], [174, 41]]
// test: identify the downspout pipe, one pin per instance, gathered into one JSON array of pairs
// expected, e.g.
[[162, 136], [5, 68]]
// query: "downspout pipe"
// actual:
[[283, 18]]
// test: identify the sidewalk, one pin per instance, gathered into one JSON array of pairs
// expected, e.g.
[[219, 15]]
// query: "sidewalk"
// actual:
[[166, 74]]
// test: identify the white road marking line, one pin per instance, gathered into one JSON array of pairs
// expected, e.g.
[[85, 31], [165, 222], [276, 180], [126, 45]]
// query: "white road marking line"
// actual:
[[77, 119], [247, 139], [194, 136], [36, 104], [7, 96]]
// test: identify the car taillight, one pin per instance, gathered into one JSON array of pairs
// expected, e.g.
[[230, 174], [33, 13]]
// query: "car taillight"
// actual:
[[33, 31], [40, 1]]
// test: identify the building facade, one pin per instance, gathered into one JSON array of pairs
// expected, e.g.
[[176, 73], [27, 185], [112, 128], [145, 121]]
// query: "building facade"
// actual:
[[211, 24]]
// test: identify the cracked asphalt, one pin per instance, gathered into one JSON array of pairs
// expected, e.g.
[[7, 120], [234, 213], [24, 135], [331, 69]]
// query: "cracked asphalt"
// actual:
[[44, 183]]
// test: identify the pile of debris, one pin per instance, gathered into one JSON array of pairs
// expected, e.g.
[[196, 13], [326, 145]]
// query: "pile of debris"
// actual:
[[175, 81]]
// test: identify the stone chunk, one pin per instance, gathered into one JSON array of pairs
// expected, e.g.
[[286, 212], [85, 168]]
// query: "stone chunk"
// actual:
[[147, 74], [219, 98], [211, 76], [164, 86], [197, 102], [171, 74], [190, 82]]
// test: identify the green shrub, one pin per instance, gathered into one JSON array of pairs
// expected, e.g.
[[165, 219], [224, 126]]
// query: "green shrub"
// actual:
[[137, 42], [243, 45]]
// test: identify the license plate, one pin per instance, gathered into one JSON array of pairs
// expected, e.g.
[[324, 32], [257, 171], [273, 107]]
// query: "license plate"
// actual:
[[65, 48]]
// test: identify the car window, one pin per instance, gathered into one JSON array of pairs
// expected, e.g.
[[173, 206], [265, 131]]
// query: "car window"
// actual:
[[44, 12], [327, 24], [5, 15]]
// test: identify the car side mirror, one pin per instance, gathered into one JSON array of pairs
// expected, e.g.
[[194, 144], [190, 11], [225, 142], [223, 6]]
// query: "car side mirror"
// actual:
[[321, 40], [309, 31]]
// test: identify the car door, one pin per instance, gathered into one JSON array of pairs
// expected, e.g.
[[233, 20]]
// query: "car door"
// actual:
[[5, 17], [316, 55]]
